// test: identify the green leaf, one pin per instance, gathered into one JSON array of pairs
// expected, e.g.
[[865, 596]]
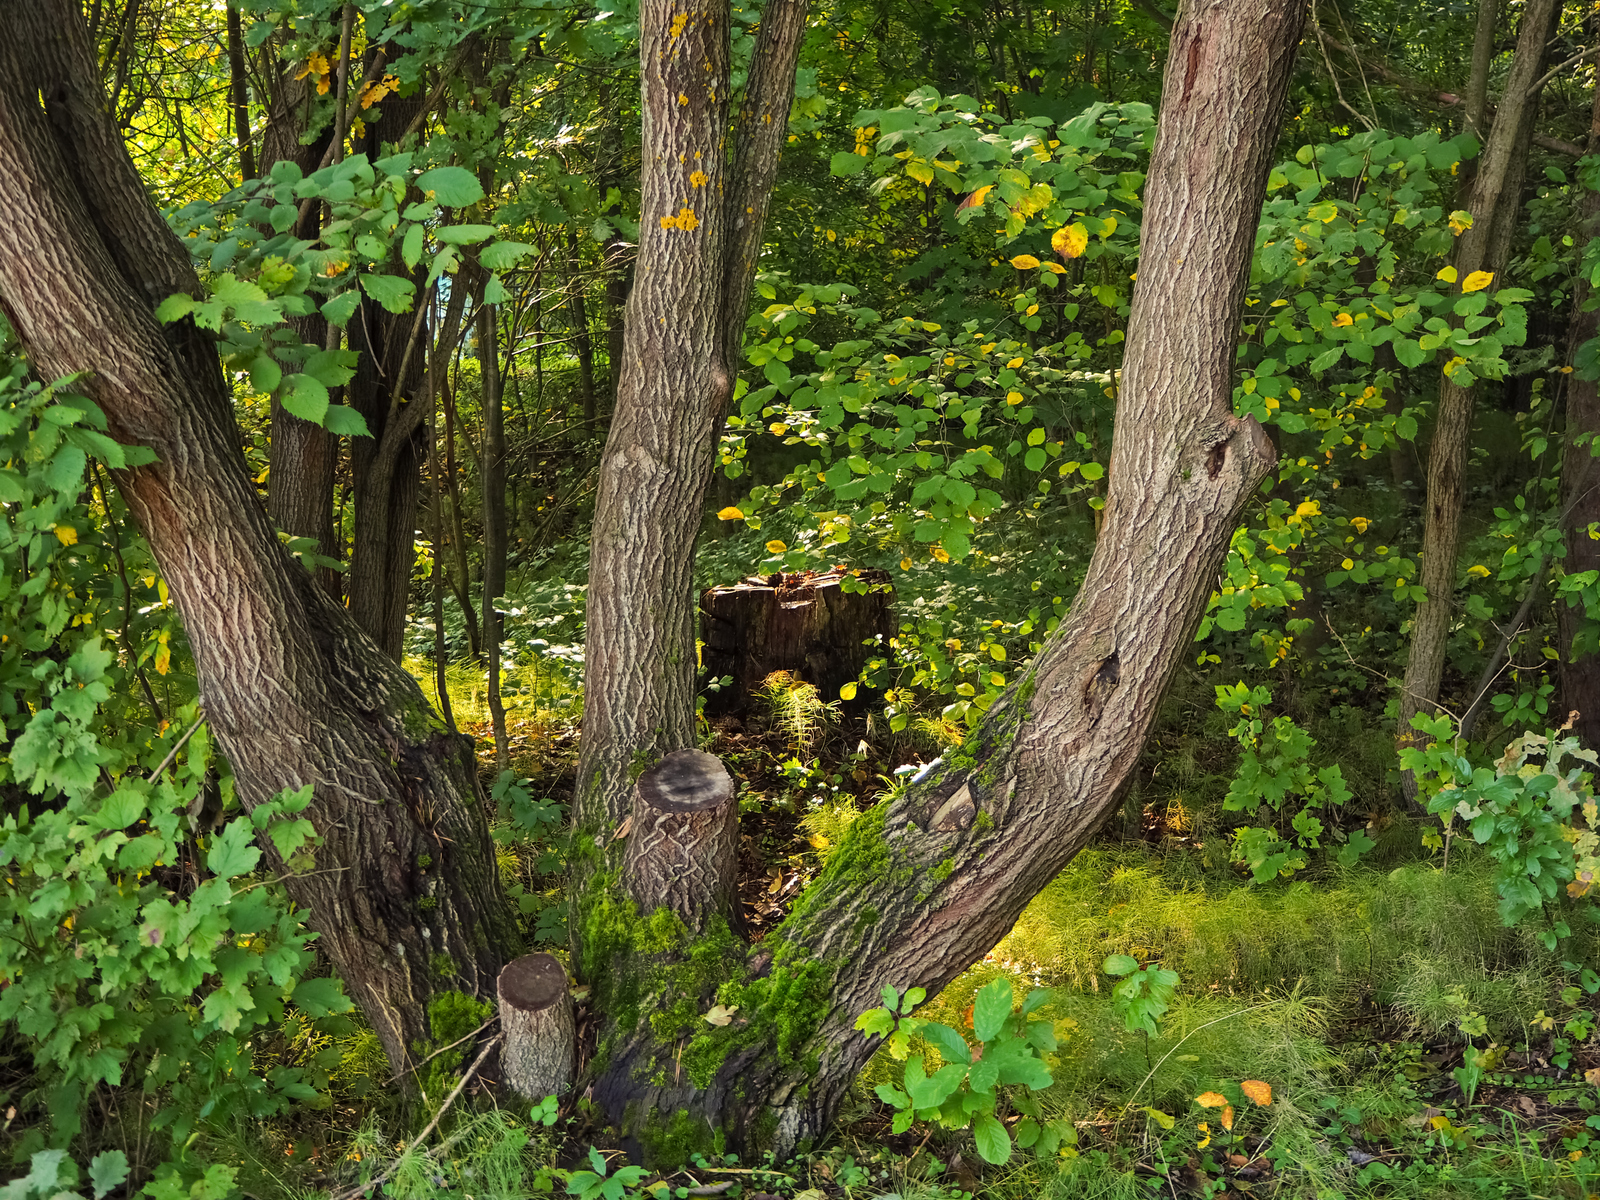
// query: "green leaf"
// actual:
[[343, 306], [1119, 964], [331, 368], [846, 163], [1092, 470], [344, 421], [453, 187], [950, 1044], [306, 398], [107, 1170], [494, 292], [993, 1142], [501, 255], [265, 373], [119, 810], [411, 246], [174, 307], [990, 1008], [391, 291], [232, 852], [321, 998], [65, 472], [464, 235], [246, 300], [938, 1087]]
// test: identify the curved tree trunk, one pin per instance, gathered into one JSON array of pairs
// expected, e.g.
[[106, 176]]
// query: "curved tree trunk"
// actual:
[[1496, 201], [406, 895], [921, 888]]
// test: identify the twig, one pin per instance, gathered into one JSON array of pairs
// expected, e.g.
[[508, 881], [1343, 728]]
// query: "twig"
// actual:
[[384, 1176], [1322, 44], [417, 1067], [1533, 88], [173, 754]]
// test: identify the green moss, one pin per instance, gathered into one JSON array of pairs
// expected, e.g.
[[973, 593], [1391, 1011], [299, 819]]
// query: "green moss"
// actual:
[[983, 820], [641, 762], [424, 861], [942, 871], [442, 966], [669, 1145], [428, 903], [452, 1016]]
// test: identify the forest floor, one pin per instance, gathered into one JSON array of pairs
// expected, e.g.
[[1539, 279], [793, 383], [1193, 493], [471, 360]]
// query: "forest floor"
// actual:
[[1412, 1045]]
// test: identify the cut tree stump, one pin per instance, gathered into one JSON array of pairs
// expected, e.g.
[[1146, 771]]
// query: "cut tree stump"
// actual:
[[537, 1022], [683, 839], [804, 623]]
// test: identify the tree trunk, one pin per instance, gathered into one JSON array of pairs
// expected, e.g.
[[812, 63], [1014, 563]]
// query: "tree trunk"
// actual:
[[406, 896], [582, 341], [923, 886], [699, 235], [493, 481], [461, 581], [1580, 483], [683, 840], [539, 1026], [806, 624], [1497, 199]]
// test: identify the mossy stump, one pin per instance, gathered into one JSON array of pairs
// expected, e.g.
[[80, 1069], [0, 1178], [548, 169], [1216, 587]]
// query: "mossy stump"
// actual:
[[683, 843], [805, 623], [536, 1019]]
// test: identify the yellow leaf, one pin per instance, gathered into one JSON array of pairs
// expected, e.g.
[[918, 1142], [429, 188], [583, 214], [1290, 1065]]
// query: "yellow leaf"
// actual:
[[1258, 1091], [1054, 268], [730, 514], [1211, 1100], [1460, 221], [940, 553], [1024, 262], [1360, 523], [776, 547], [1013, 398], [1340, 320], [1448, 274], [1070, 241], [1477, 281], [905, 564], [721, 1014], [1108, 226], [778, 429], [66, 535], [920, 171], [1348, 564], [1481, 571], [1014, 364], [1227, 1117], [848, 691]]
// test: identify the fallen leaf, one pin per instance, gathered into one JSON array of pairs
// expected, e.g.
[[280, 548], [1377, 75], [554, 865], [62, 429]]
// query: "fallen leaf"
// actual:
[[1211, 1100], [721, 1014], [1258, 1091]]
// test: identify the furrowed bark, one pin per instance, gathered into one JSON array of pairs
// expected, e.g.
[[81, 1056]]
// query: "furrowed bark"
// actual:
[[922, 887], [407, 898], [675, 382], [540, 1030], [683, 847], [1496, 201]]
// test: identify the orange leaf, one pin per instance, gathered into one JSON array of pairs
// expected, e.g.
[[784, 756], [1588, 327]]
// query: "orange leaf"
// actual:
[[1227, 1117], [1260, 1092], [1212, 1100]]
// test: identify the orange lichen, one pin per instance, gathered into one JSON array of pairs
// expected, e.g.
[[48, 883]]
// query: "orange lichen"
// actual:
[[685, 220], [678, 22], [699, 179]]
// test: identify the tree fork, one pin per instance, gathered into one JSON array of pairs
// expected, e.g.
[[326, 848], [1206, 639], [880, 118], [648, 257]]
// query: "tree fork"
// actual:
[[923, 886]]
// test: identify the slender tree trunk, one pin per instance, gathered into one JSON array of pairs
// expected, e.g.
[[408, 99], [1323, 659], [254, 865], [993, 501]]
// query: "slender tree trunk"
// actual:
[[461, 584], [239, 95], [922, 887], [582, 342], [493, 481], [406, 896], [700, 235], [1497, 199], [1580, 481]]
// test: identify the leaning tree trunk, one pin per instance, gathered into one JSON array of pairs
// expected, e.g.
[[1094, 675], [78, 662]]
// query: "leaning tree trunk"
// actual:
[[406, 897], [759, 1042], [1497, 199]]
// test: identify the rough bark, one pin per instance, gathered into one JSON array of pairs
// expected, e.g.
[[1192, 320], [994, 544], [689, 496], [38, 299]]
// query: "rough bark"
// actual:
[[1580, 482], [1496, 202], [539, 1027], [805, 624], [691, 285], [683, 841], [407, 898], [922, 887]]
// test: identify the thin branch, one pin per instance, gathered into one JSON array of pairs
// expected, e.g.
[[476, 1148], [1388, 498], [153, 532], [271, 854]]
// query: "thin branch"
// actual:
[[1537, 84], [1333, 76], [384, 1176], [399, 1075], [172, 755]]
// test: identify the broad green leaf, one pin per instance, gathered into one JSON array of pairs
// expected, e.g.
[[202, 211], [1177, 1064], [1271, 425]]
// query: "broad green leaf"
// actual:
[[265, 373], [391, 291], [990, 1008], [321, 997], [453, 187], [411, 246], [502, 255], [343, 306], [305, 398], [107, 1170], [993, 1142], [464, 235], [232, 852], [1119, 964], [174, 307], [344, 421]]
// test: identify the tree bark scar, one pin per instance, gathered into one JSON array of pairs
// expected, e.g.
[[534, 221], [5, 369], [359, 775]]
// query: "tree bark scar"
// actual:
[[1214, 460], [1100, 685], [1193, 67]]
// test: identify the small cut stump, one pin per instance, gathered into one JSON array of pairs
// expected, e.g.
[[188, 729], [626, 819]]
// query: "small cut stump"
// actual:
[[803, 623], [683, 840], [537, 1022]]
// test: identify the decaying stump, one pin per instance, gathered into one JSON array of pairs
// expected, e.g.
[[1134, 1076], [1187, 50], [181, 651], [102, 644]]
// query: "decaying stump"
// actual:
[[683, 839], [537, 1022], [804, 623]]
